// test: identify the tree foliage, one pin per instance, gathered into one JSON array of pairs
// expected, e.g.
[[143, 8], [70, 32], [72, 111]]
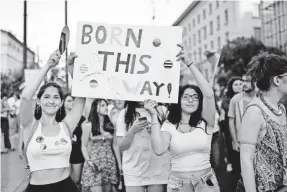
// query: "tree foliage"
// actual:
[[236, 55]]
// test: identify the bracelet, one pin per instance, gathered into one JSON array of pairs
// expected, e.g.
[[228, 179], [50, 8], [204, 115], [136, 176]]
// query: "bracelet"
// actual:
[[154, 124], [189, 64], [247, 142]]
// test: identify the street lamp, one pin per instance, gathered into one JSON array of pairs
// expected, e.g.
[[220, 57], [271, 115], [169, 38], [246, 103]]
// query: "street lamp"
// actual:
[[66, 23]]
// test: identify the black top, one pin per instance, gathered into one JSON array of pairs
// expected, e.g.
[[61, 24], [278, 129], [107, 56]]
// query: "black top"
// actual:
[[77, 134]]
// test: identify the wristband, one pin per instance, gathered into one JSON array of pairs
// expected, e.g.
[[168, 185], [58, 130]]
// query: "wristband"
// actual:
[[189, 64]]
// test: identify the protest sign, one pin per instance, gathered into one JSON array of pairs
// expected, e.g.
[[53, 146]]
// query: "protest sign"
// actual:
[[127, 62]]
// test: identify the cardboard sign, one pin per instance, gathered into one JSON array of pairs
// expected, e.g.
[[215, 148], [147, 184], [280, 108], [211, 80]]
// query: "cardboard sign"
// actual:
[[127, 62]]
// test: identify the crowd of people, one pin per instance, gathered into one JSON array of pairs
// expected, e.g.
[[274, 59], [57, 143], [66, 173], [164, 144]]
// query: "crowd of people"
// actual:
[[78, 144]]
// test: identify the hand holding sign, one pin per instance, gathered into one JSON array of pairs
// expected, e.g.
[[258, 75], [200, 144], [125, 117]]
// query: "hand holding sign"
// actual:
[[150, 106], [70, 62], [183, 57], [54, 59]]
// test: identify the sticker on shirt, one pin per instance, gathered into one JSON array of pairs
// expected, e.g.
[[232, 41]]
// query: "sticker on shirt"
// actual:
[[57, 143], [43, 146], [63, 141], [39, 139]]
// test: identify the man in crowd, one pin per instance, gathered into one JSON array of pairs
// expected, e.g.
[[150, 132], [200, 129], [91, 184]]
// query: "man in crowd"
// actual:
[[237, 107]]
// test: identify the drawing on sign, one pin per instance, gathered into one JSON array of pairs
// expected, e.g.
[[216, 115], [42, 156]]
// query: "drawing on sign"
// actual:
[[168, 64], [93, 83], [83, 68], [156, 42]]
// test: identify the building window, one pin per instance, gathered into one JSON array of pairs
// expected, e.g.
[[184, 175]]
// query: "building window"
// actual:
[[217, 4], [257, 33], [184, 31], [210, 8], [200, 53], [204, 32], [189, 27], [211, 45], [204, 14], [189, 42], [193, 23], [227, 36], [226, 16], [205, 47], [218, 22], [198, 19], [211, 27], [199, 36], [218, 43], [194, 39], [185, 45], [189, 56], [194, 56]]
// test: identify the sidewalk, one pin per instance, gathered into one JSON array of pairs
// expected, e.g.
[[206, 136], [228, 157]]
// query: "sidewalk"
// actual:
[[13, 175]]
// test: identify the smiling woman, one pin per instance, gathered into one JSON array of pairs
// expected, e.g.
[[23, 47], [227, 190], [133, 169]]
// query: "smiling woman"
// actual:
[[48, 147], [187, 135]]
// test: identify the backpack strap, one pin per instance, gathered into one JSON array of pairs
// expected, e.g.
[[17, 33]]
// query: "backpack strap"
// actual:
[[29, 139]]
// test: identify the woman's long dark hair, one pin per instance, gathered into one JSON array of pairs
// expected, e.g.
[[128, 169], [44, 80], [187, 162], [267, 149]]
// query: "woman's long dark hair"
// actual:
[[131, 113], [230, 92], [61, 113], [175, 110], [94, 119]]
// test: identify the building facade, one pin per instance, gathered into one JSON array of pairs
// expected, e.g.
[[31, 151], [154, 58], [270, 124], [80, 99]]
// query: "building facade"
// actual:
[[11, 53], [273, 15], [208, 25]]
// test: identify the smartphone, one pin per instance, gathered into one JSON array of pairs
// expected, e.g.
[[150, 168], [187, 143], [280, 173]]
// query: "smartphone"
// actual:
[[142, 118]]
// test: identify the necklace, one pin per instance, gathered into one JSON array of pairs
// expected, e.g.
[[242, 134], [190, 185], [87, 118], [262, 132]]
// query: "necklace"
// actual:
[[183, 131], [280, 112]]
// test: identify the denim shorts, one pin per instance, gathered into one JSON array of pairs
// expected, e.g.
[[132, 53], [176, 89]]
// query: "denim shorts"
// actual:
[[206, 183]]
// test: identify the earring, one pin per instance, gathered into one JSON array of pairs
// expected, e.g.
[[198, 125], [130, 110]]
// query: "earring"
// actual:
[[38, 108]]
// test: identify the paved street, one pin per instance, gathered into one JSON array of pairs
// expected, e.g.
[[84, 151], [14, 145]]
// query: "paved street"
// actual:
[[12, 173]]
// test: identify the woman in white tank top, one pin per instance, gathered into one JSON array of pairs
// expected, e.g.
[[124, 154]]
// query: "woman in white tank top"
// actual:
[[49, 146], [143, 170], [187, 135]]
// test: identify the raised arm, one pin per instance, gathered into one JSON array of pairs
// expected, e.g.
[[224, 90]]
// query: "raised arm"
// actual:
[[209, 109], [74, 116], [160, 139], [26, 106], [248, 137]]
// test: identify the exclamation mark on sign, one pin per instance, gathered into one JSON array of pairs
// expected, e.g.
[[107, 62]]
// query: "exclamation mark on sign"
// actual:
[[169, 89]]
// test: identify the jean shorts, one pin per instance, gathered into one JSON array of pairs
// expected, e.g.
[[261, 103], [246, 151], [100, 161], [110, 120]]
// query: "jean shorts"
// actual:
[[206, 183]]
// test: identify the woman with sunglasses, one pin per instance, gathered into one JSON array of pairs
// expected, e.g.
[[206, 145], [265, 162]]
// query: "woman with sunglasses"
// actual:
[[187, 135]]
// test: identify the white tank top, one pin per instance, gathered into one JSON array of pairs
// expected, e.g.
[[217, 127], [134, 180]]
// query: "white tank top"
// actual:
[[189, 151], [49, 152]]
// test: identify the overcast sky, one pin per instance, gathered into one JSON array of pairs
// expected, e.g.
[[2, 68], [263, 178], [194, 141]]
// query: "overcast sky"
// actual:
[[46, 17]]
